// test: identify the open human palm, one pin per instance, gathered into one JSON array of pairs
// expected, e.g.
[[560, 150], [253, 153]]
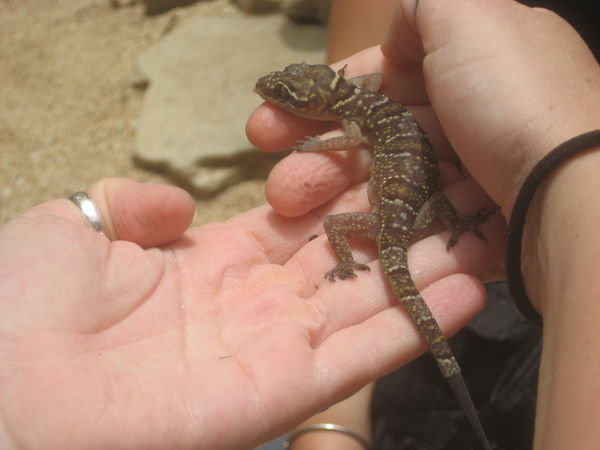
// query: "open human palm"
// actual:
[[220, 336]]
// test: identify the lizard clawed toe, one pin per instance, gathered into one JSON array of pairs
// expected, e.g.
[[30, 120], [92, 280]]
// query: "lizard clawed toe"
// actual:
[[344, 270], [308, 144], [470, 223], [480, 216]]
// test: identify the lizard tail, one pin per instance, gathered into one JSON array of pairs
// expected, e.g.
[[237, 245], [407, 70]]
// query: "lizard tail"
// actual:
[[460, 391], [398, 275]]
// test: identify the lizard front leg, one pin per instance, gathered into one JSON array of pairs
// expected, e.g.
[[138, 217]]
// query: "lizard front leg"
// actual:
[[438, 206], [341, 227], [352, 137]]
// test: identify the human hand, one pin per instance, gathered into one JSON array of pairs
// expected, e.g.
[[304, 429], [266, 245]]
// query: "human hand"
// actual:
[[507, 83], [221, 336]]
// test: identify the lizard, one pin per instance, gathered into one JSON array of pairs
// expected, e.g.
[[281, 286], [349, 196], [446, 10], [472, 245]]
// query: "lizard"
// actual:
[[402, 190]]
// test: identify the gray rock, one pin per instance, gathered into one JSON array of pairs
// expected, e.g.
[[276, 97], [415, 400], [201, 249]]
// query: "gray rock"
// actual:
[[201, 76]]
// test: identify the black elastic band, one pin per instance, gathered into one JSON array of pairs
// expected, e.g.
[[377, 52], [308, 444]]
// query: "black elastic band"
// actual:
[[519, 214]]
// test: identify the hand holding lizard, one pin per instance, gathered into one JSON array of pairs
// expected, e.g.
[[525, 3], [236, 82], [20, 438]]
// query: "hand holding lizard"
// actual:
[[488, 80]]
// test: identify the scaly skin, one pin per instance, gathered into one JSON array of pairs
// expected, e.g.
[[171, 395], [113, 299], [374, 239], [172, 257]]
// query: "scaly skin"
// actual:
[[403, 189]]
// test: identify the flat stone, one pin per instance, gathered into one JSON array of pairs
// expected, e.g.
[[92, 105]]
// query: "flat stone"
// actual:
[[192, 125]]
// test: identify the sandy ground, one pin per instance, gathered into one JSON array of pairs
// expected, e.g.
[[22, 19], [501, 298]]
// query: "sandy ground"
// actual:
[[67, 105]]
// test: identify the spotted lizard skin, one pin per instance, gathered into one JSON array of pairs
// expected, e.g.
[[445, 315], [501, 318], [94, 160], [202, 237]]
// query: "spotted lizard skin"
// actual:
[[403, 189]]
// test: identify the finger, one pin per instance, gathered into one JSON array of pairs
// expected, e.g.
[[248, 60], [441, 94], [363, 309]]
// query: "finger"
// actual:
[[273, 129], [302, 181], [389, 339], [147, 214], [281, 237]]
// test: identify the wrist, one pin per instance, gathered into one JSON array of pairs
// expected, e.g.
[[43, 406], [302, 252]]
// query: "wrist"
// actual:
[[560, 269], [560, 237]]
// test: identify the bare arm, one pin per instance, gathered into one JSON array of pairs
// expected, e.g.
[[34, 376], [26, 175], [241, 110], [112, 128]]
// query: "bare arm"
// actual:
[[562, 279]]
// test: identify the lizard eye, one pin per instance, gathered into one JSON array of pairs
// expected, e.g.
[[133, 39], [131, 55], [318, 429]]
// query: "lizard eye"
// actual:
[[281, 92]]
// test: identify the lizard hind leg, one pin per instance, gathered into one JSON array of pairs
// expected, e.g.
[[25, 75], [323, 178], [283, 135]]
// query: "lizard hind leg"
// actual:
[[438, 206], [341, 227]]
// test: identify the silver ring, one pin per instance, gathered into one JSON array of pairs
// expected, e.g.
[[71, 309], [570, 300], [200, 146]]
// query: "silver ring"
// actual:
[[326, 427], [89, 210]]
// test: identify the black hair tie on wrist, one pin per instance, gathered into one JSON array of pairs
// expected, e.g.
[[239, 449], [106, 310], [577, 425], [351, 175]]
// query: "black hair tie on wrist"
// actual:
[[537, 176]]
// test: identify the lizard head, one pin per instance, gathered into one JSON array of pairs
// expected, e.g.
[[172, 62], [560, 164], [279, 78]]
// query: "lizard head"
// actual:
[[306, 90]]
